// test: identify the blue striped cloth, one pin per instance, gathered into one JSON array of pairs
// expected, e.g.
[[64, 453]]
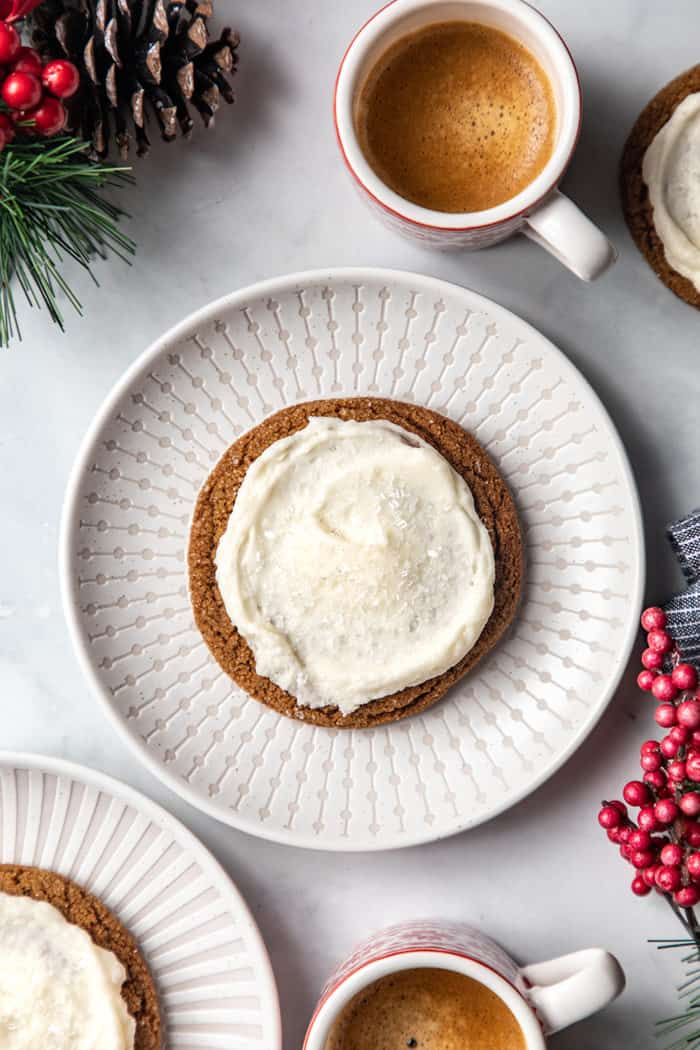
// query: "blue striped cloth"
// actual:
[[683, 611]]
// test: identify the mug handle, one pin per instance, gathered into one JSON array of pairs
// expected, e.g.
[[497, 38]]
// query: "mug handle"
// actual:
[[563, 230], [563, 991]]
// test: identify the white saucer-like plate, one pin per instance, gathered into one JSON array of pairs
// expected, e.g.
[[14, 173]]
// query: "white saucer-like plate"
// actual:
[[501, 732], [215, 985]]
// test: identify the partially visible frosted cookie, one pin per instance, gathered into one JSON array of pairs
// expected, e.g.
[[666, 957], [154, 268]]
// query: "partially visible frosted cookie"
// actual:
[[660, 185], [72, 976]]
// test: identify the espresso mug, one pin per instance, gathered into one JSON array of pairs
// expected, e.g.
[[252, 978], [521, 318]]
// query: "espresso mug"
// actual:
[[543, 998], [539, 211]]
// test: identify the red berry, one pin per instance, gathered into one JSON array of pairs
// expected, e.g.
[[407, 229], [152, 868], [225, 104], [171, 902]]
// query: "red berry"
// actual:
[[641, 858], [690, 803], [49, 117], [645, 680], [692, 863], [7, 127], [653, 618], [21, 90], [692, 766], [695, 738], [684, 676], [626, 851], [688, 713], [636, 793], [61, 78], [625, 832], [687, 896], [9, 42], [646, 819], [671, 854], [652, 660], [28, 60], [609, 817], [691, 833], [639, 887], [649, 874], [656, 780], [663, 688], [660, 640], [650, 763], [649, 746], [640, 839], [668, 879], [679, 734], [619, 805], [665, 715], [676, 771], [669, 747], [666, 811], [614, 835]]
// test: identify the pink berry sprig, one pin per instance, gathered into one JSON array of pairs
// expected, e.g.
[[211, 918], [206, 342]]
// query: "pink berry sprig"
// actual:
[[663, 846]]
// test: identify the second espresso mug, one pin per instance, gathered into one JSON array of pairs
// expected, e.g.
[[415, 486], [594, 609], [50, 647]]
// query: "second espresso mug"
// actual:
[[542, 998], [539, 211]]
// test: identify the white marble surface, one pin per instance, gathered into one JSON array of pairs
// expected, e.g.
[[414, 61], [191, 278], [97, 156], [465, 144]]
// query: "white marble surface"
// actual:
[[265, 194]]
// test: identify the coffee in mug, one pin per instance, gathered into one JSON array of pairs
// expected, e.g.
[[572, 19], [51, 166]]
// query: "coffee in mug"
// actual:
[[442, 107], [457, 117], [426, 1009]]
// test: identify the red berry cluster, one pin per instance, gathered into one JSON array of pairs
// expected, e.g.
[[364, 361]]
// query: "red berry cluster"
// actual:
[[31, 89], [664, 845]]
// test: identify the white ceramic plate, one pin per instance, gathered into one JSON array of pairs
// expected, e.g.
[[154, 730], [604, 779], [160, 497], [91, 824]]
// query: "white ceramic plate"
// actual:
[[501, 732], [215, 985]]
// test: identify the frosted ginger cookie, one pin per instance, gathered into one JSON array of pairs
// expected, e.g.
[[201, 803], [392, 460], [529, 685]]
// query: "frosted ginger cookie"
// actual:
[[660, 185], [351, 559], [71, 976]]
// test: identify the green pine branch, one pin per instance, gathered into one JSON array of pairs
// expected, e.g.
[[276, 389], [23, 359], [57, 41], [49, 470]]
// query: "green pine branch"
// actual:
[[51, 207], [685, 1026]]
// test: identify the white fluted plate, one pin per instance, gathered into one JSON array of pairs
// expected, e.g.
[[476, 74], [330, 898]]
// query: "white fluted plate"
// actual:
[[215, 985], [507, 726]]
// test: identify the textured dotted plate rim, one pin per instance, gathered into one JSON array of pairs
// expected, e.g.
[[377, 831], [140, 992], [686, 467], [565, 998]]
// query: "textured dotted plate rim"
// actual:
[[47, 765], [277, 286]]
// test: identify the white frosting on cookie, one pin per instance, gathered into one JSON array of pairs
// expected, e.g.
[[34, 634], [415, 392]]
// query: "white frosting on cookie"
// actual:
[[354, 563], [58, 990], [671, 170]]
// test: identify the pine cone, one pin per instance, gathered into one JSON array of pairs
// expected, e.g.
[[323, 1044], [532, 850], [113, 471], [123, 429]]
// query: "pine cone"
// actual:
[[137, 57]]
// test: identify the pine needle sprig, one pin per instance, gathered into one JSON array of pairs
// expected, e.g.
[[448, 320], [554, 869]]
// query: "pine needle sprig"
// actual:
[[689, 990], [51, 206]]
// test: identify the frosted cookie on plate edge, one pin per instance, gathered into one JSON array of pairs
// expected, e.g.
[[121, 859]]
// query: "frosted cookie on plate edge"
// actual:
[[351, 559], [660, 184], [69, 965]]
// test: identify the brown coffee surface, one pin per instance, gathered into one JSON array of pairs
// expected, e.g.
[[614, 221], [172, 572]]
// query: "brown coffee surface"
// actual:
[[458, 117], [426, 1009]]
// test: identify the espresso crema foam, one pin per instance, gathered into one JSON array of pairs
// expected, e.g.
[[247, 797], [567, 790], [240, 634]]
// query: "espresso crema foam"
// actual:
[[457, 117], [426, 1009], [354, 563], [671, 171], [58, 990]]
